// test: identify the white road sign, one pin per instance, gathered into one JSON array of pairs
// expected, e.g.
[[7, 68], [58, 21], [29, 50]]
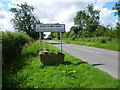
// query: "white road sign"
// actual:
[[50, 28]]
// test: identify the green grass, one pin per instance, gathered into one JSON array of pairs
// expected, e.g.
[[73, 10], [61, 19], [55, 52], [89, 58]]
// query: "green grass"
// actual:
[[108, 45], [26, 71]]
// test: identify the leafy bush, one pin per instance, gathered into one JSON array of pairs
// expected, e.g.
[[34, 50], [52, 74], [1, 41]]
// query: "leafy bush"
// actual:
[[65, 35], [12, 43], [72, 35]]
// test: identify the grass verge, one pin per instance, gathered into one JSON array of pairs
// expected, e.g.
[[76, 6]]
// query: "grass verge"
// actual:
[[109, 45], [26, 71]]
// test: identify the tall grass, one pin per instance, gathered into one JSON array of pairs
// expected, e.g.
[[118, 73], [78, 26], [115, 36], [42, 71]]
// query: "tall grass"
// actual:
[[100, 42], [28, 72], [99, 39]]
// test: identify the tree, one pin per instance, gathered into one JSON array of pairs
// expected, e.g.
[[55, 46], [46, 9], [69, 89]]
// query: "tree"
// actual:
[[72, 35], [79, 20], [76, 29], [89, 20], [56, 35], [117, 8], [50, 37], [92, 21], [100, 31], [24, 20], [65, 35]]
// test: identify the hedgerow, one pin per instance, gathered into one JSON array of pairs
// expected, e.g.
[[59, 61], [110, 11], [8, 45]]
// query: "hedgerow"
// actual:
[[12, 44]]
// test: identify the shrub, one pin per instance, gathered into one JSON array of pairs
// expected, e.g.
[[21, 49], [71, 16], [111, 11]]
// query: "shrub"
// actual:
[[12, 43], [65, 35], [102, 41]]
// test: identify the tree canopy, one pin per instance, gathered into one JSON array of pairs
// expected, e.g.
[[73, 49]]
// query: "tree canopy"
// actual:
[[24, 19], [89, 19], [117, 7]]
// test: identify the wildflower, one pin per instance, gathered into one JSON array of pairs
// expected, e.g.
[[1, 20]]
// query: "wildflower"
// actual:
[[74, 71], [63, 71]]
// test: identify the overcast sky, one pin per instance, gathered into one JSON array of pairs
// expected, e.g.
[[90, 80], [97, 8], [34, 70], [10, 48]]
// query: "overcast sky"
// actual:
[[55, 11]]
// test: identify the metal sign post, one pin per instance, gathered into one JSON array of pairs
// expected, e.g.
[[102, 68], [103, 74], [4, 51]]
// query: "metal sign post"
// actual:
[[40, 40], [60, 42]]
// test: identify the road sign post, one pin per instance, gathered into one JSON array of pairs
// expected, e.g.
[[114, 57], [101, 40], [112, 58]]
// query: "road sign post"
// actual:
[[50, 28], [60, 42], [40, 40]]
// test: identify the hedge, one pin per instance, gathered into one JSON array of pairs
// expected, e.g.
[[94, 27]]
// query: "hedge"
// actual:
[[12, 43]]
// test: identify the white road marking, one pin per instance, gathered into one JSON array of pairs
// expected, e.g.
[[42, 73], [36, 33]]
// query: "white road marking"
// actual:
[[88, 50]]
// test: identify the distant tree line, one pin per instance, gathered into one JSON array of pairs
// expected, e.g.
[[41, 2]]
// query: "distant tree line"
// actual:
[[87, 24]]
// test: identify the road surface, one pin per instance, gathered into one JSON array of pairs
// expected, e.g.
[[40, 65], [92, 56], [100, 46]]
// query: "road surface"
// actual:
[[106, 60]]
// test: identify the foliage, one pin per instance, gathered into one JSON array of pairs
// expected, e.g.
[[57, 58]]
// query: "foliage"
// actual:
[[100, 31], [24, 20], [117, 13], [66, 34], [87, 24], [93, 20], [54, 35], [117, 7], [12, 44], [89, 20], [83, 33], [72, 35], [50, 37], [80, 18], [97, 39], [76, 29], [28, 72], [100, 42]]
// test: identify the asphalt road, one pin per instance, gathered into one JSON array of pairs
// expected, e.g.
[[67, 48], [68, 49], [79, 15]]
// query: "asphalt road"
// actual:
[[106, 60]]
